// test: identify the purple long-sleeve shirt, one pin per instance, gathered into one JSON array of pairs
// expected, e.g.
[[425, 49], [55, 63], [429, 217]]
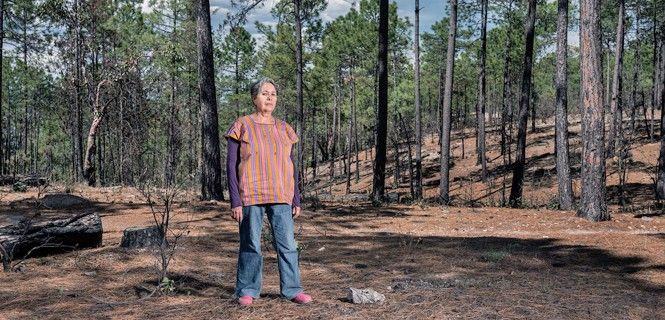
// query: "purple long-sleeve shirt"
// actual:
[[232, 162]]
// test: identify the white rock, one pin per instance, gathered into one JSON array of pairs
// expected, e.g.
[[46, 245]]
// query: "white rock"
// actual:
[[365, 296]]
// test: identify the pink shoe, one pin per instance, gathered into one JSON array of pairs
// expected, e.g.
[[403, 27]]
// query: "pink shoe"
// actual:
[[245, 300], [302, 298]]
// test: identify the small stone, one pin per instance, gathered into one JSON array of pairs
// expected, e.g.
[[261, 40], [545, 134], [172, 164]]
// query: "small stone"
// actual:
[[365, 296], [90, 274], [321, 249], [646, 218]]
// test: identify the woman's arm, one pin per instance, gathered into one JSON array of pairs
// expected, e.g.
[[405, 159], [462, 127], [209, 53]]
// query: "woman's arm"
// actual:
[[296, 190], [232, 161]]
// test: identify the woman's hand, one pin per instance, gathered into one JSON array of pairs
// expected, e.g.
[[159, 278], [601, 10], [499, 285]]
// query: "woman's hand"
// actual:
[[296, 212], [236, 213]]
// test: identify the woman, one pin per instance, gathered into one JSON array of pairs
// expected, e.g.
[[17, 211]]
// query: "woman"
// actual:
[[262, 179]]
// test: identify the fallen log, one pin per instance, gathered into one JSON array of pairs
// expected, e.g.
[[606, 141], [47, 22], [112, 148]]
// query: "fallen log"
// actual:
[[30, 180], [35, 239]]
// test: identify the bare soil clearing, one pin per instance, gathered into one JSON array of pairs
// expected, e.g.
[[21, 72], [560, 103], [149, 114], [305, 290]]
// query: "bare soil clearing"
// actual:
[[471, 261], [430, 262]]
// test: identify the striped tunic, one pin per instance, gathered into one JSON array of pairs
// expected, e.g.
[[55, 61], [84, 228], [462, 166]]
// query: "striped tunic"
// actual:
[[265, 170]]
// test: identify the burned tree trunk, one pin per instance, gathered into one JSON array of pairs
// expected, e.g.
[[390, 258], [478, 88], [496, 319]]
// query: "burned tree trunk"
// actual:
[[636, 66], [660, 180], [561, 130], [418, 192], [616, 104], [444, 183], [211, 168], [29, 239], [378, 185], [520, 157], [482, 92]]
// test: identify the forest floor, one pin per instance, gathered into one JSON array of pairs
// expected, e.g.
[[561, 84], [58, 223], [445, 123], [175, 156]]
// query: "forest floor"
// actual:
[[472, 260]]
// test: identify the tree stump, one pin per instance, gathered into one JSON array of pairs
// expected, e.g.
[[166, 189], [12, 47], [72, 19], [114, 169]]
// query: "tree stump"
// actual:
[[141, 237], [39, 238]]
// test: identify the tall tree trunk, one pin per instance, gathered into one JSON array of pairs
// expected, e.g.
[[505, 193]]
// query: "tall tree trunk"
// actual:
[[532, 105], [26, 121], [333, 138], [193, 133], [348, 156], [397, 173], [236, 60], [405, 133], [439, 105], [78, 110], [444, 183], [636, 66], [418, 189], [593, 205], [299, 91], [171, 164], [561, 130], [520, 157], [315, 137], [660, 182], [608, 81], [2, 41], [464, 124], [378, 185], [505, 95], [355, 122], [482, 92], [616, 104], [654, 65], [211, 183], [11, 169]]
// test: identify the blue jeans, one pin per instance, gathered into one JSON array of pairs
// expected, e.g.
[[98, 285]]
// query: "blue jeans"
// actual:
[[250, 260]]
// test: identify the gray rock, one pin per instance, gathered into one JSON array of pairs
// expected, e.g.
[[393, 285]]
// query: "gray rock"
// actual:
[[365, 296], [392, 197], [63, 201]]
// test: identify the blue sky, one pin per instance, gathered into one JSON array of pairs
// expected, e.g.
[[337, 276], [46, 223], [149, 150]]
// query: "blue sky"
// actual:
[[431, 11]]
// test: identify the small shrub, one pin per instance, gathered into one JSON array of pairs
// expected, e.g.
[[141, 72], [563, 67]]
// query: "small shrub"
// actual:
[[314, 203], [167, 286], [553, 204], [19, 187]]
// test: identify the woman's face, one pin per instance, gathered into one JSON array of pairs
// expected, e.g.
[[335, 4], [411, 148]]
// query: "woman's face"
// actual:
[[266, 100]]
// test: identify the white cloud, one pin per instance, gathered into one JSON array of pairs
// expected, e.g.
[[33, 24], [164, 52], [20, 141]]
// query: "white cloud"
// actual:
[[145, 6], [335, 9]]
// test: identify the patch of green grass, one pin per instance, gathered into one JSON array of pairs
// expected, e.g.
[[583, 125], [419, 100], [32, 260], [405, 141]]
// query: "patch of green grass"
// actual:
[[494, 255]]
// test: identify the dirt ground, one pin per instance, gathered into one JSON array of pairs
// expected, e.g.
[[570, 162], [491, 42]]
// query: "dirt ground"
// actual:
[[472, 260]]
